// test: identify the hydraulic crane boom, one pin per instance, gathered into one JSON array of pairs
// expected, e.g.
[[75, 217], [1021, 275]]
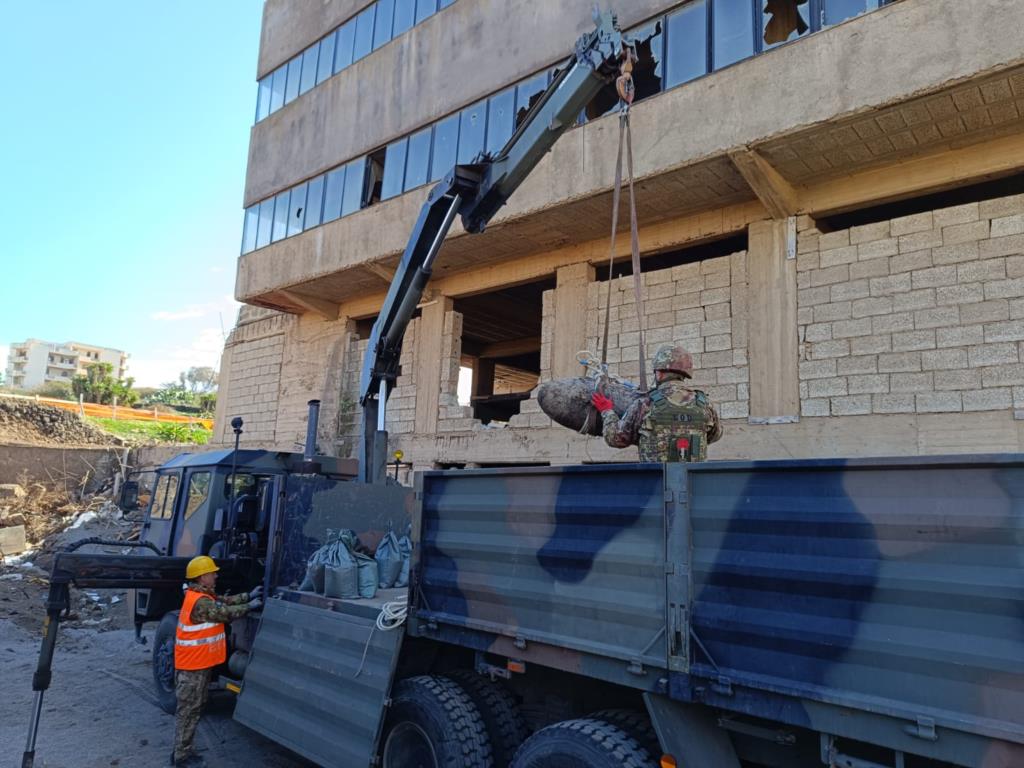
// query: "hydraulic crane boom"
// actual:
[[475, 192]]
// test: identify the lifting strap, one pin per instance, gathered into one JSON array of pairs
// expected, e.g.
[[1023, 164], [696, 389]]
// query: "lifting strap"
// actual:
[[624, 85]]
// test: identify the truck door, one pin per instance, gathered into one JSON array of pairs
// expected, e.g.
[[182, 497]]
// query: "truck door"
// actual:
[[192, 529], [159, 524]]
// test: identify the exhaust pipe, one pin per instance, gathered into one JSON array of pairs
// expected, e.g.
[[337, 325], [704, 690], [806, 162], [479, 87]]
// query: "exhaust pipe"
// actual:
[[309, 466]]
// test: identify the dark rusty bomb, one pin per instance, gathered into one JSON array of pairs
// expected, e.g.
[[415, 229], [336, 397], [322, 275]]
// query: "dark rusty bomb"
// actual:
[[567, 402]]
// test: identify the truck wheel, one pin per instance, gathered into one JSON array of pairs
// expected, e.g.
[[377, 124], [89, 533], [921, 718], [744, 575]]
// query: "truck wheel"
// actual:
[[505, 725], [636, 724], [582, 743], [163, 662], [432, 723]]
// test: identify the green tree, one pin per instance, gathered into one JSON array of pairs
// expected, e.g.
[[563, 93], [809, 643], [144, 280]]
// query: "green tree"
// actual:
[[199, 379], [99, 386], [61, 390]]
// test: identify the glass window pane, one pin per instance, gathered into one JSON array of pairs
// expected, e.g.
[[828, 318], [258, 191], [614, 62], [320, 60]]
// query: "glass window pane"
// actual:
[[425, 9], [784, 21], [198, 492], [277, 87], [296, 209], [394, 169], [500, 119], [343, 47], [444, 3], [472, 131], [382, 26], [687, 44], [252, 223], [333, 191], [733, 33], [266, 222], [364, 33], [263, 98], [309, 63], [417, 161], [446, 143], [405, 16], [291, 89], [325, 64], [840, 10], [280, 217], [314, 202], [353, 199], [527, 93]]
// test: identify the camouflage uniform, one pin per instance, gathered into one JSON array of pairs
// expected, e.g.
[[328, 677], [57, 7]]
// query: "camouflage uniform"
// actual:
[[673, 422], [192, 686]]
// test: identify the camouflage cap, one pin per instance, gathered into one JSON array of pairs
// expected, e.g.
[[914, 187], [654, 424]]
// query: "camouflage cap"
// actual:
[[673, 358]]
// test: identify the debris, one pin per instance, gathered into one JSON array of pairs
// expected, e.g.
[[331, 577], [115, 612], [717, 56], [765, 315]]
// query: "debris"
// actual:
[[28, 422], [11, 491]]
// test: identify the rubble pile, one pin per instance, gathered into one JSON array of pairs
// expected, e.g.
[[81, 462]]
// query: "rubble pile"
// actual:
[[23, 421]]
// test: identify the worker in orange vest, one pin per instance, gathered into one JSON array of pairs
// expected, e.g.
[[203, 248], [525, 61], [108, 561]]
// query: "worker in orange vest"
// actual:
[[200, 645]]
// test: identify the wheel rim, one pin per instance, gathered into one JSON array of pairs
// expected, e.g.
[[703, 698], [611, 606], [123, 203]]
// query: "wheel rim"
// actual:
[[163, 663], [408, 746]]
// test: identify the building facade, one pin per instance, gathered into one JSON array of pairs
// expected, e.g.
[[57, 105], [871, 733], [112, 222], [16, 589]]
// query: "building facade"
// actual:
[[33, 363], [831, 213]]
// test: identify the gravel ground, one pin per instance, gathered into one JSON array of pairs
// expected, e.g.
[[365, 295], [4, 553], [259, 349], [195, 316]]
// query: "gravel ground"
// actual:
[[100, 709]]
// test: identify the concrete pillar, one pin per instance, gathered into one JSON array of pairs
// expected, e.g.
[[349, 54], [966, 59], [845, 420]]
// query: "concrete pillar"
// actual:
[[569, 335], [772, 334], [429, 355], [483, 377]]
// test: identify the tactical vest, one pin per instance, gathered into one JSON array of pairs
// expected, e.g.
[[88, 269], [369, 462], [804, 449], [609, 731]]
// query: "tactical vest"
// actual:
[[672, 432], [198, 646]]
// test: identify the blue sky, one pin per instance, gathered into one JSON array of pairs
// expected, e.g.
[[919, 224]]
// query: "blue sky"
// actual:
[[124, 128]]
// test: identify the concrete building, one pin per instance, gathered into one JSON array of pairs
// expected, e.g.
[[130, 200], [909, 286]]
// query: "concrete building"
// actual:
[[830, 204], [32, 363]]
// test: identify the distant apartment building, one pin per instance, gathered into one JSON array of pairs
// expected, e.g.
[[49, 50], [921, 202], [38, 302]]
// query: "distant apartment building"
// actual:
[[34, 362]]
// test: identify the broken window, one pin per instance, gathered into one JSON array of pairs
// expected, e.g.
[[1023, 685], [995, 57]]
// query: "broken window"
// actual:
[[647, 71], [417, 162], [501, 344], [394, 169], [344, 45], [472, 131], [373, 186], [500, 120], [527, 94], [732, 31], [687, 49], [446, 144], [840, 10], [785, 20], [296, 209], [325, 64]]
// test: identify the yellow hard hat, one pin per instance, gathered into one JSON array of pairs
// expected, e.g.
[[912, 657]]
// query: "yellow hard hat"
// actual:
[[197, 566]]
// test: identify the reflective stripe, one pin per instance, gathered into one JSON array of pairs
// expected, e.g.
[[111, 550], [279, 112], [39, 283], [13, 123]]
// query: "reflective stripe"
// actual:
[[202, 641], [197, 627]]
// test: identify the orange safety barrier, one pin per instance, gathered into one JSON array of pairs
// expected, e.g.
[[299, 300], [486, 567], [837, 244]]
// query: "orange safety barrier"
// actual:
[[119, 412]]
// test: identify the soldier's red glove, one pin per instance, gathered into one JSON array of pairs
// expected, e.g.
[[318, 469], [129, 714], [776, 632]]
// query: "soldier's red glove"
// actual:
[[602, 403]]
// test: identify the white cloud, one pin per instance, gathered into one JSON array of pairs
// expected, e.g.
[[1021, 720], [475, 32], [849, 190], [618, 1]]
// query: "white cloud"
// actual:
[[226, 306], [159, 365]]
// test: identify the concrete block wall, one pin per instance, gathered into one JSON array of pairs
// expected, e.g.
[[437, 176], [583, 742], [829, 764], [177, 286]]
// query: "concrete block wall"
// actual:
[[919, 314], [702, 306]]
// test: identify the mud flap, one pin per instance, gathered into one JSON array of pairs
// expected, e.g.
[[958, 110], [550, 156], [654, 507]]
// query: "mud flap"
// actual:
[[317, 682]]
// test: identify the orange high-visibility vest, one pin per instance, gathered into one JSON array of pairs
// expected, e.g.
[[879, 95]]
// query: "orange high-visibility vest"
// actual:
[[198, 646]]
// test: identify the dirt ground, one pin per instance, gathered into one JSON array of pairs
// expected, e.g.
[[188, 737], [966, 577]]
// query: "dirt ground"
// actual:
[[100, 709]]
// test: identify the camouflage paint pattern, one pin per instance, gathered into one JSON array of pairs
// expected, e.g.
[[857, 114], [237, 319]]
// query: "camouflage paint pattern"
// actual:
[[870, 599], [191, 688], [672, 423]]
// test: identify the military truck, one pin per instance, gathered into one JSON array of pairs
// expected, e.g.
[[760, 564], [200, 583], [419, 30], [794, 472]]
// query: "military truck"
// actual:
[[864, 614]]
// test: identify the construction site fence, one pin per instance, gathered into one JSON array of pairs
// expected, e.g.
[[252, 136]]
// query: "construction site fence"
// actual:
[[119, 412]]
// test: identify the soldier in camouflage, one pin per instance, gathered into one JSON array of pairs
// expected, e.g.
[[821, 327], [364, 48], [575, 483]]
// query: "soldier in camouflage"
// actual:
[[200, 646], [672, 422]]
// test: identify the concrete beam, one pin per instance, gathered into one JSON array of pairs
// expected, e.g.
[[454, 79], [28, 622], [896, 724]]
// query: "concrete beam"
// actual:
[[326, 309], [510, 348], [775, 193]]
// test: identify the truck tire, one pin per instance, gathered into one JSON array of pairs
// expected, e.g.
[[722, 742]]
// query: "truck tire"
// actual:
[[499, 710], [163, 662], [432, 723], [636, 724], [584, 743]]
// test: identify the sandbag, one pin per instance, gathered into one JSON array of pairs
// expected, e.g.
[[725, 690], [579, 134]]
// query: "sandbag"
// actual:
[[389, 561], [341, 572], [405, 548], [313, 581], [368, 575]]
